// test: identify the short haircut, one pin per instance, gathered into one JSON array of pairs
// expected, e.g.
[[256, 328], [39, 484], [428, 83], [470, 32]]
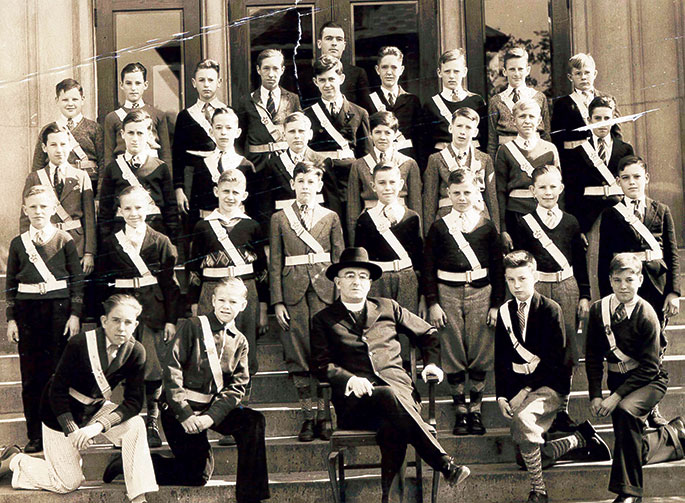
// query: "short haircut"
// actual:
[[389, 50], [137, 115], [297, 116], [526, 104], [38, 190], [579, 61], [134, 67], [461, 176], [384, 119], [519, 258], [514, 53], [67, 85], [51, 128], [326, 63], [543, 170], [270, 53], [233, 284], [625, 262], [122, 299], [382, 168], [629, 160], [304, 167], [451, 55], [224, 111], [601, 102], [467, 112], [329, 24], [208, 64], [136, 190], [232, 176]]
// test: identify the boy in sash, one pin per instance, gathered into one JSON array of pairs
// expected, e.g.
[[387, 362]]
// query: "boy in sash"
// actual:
[[625, 330], [304, 239], [193, 131], [360, 193], [75, 212], [44, 296], [133, 84], [514, 166], [501, 116], [140, 261], [391, 233], [437, 111], [86, 138], [76, 407], [553, 237], [137, 167], [463, 285], [261, 113], [531, 375], [391, 97], [460, 153], [205, 378]]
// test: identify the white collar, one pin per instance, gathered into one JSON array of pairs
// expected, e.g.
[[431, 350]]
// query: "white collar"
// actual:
[[214, 103], [216, 215], [140, 157], [641, 206], [471, 218], [312, 205], [523, 90], [47, 232], [395, 91], [128, 104], [264, 94], [51, 168], [580, 95], [354, 307], [630, 306], [395, 208], [556, 211], [292, 154], [447, 94], [526, 310], [135, 231], [389, 154], [607, 140], [62, 120], [532, 142], [338, 103]]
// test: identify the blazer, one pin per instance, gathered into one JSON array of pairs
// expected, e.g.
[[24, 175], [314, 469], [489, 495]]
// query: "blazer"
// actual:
[[290, 283], [77, 200], [407, 109], [545, 338], [59, 411], [355, 88], [188, 135], [352, 121], [616, 236]]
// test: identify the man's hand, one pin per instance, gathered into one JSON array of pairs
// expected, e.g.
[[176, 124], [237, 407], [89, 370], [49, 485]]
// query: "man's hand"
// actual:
[[608, 405], [491, 320], [595, 405], [169, 331], [72, 327], [263, 322], [192, 425], [507, 242], [83, 437], [504, 407], [583, 308], [12, 331], [436, 316], [432, 370], [182, 201], [205, 422], [671, 305], [360, 386], [516, 402], [282, 316], [88, 263], [423, 310]]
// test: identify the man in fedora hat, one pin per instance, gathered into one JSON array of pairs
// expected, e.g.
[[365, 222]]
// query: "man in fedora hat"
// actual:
[[355, 346]]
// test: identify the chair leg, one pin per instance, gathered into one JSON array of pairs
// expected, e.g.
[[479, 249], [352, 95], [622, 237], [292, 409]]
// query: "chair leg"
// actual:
[[434, 489], [419, 480], [332, 476], [341, 476]]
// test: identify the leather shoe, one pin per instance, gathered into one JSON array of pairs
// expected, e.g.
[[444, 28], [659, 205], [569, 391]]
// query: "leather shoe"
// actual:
[[536, 497], [35, 445], [655, 419], [227, 440], [114, 468], [679, 425], [475, 423], [455, 474], [7, 453], [563, 423], [624, 498], [461, 425], [597, 448], [153, 438], [323, 429], [306, 432]]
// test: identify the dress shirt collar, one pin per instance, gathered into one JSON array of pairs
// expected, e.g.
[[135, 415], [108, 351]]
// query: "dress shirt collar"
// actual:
[[526, 310], [140, 158], [51, 169], [607, 140], [630, 306], [354, 307], [395, 92], [584, 96], [216, 215], [338, 103], [129, 105], [388, 154], [62, 120], [264, 95], [531, 143], [447, 94], [47, 232], [138, 232], [471, 217], [640, 207], [292, 154], [214, 103], [523, 90], [542, 213]]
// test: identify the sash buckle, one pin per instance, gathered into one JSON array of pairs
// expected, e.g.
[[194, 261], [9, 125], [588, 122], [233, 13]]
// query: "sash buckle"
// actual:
[[606, 189], [42, 288], [396, 265], [469, 276], [136, 282], [560, 276], [622, 367], [310, 259]]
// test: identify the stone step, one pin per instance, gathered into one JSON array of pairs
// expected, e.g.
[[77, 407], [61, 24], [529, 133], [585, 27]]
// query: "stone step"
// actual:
[[495, 483]]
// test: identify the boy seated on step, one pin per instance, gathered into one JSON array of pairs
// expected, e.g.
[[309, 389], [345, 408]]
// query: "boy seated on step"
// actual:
[[625, 329], [532, 376]]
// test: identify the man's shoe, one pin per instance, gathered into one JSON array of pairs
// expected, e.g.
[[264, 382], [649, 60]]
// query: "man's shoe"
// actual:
[[7, 453], [153, 438], [475, 423], [227, 440], [624, 498], [323, 429], [35, 445], [536, 497], [655, 419], [461, 425], [679, 425], [597, 448], [114, 468], [563, 423], [306, 432], [455, 474]]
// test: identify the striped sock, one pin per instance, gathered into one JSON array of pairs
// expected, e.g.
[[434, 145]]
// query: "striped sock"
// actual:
[[305, 396], [560, 446], [456, 382], [533, 460], [476, 395]]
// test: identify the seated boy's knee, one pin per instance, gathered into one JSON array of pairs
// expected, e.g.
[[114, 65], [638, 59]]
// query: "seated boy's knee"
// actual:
[[70, 483]]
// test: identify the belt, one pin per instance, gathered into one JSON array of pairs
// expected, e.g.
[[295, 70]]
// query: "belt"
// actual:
[[87, 164], [648, 255], [603, 190], [338, 154], [42, 288], [406, 143], [504, 138], [555, 277], [137, 282], [69, 225], [462, 277], [525, 368], [521, 194], [267, 147], [394, 265], [570, 145], [282, 203], [309, 259], [232, 271], [623, 367], [84, 399], [370, 203], [198, 397]]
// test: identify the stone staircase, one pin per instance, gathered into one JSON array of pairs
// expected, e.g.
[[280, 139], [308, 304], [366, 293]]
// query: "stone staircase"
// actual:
[[298, 470]]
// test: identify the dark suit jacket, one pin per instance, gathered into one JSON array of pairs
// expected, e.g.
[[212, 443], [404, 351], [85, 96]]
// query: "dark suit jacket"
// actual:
[[355, 88], [60, 411], [77, 201], [407, 109], [188, 135], [617, 236], [544, 337]]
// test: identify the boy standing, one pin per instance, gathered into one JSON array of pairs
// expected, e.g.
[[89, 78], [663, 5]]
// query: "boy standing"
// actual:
[[304, 239], [463, 286], [44, 296]]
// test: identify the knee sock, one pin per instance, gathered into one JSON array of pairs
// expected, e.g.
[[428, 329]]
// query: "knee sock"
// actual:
[[321, 412], [456, 383], [533, 460], [304, 394], [477, 388], [557, 448], [153, 391]]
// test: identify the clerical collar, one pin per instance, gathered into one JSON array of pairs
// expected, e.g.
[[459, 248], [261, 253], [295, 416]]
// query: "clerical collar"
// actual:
[[354, 307]]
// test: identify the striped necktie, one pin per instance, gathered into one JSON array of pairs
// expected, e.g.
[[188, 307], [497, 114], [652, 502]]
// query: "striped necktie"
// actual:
[[521, 313], [619, 314]]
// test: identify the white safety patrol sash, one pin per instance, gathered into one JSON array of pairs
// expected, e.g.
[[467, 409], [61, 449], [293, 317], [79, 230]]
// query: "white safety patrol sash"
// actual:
[[274, 130], [49, 283], [525, 166], [531, 360], [96, 366], [462, 243], [401, 142], [612, 189], [288, 163], [67, 222], [383, 226], [212, 356], [121, 113], [133, 181], [74, 145], [240, 266], [377, 103], [345, 149], [582, 108], [146, 278], [196, 113], [654, 253], [442, 108], [550, 247], [318, 255], [625, 362]]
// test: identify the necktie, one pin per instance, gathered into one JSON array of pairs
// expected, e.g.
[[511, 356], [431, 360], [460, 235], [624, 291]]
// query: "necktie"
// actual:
[[135, 105], [220, 164], [296, 157], [455, 95], [602, 149], [549, 221], [461, 157], [207, 111], [57, 182], [462, 222], [135, 162], [270, 105], [381, 157], [38, 238], [636, 209], [521, 313], [515, 95], [112, 351], [134, 240], [332, 109], [619, 314], [391, 99], [70, 123], [389, 215], [304, 216]]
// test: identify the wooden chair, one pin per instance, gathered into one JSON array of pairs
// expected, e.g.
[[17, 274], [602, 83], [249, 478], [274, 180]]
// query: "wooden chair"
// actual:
[[341, 440]]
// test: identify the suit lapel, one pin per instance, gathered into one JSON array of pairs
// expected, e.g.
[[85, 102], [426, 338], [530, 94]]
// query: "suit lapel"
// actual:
[[343, 316], [70, 182], [372, 314], [513, 308], [650, 211]]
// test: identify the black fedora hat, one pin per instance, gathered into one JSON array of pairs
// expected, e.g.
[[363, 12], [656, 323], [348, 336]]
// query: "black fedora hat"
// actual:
[[354, 257]]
